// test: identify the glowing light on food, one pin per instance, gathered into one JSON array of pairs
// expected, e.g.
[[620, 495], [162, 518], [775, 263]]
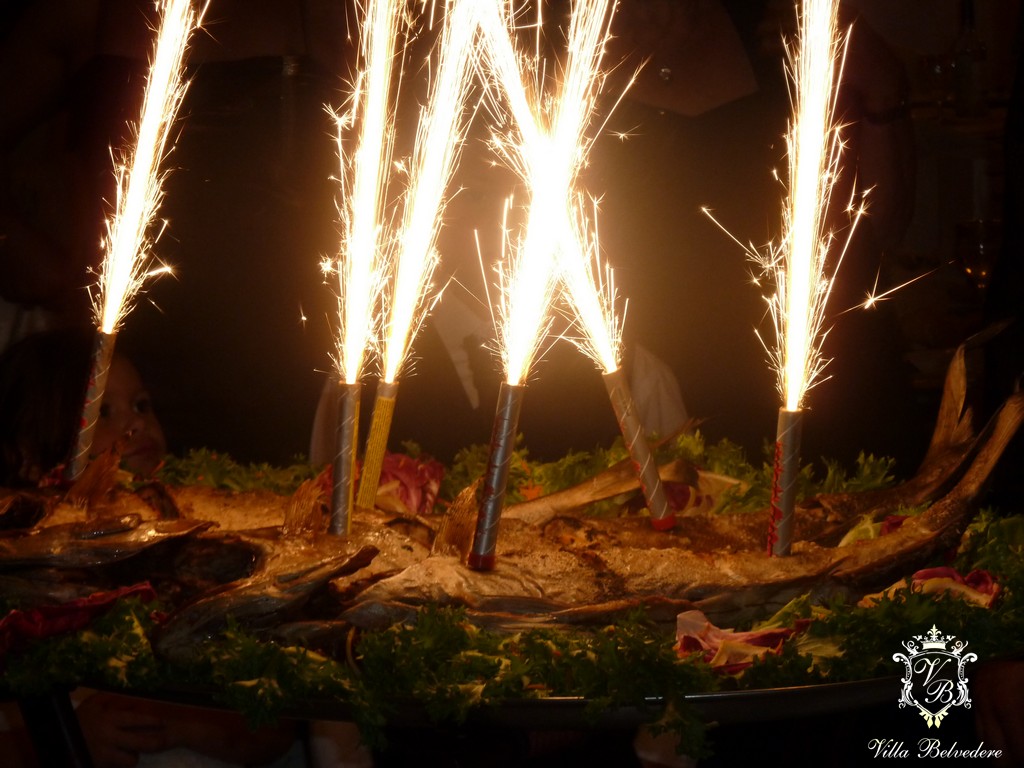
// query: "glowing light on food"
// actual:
[[139, 191], [367, 124], [440, 134]]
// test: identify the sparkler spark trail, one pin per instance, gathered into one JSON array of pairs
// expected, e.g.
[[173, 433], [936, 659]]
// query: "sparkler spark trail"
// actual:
[[440, 134], [362, 183], [139, 191], [590, 287], [527, 279], [876, 297], [547, 148], [441, 131], [814, 144], [139, 180], [591, 296]]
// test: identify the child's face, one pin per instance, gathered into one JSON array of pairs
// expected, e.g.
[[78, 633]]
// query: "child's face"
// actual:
[[127, 417]]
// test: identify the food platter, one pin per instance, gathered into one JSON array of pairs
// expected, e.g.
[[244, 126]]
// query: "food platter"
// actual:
[[386, 626]]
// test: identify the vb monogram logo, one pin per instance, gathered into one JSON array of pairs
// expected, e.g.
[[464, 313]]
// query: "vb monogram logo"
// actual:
[[934, 679]]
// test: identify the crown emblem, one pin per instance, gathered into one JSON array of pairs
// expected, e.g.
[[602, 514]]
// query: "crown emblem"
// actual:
[[933, 640]]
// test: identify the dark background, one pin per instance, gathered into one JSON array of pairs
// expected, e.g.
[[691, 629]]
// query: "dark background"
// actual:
[[234, 367]]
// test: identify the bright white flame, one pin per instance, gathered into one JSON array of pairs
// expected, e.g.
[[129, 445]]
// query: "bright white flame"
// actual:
[[527, 283], [590, 286], [547, 147], [128, 241], [803, 274], [363, 183], [439, 138]]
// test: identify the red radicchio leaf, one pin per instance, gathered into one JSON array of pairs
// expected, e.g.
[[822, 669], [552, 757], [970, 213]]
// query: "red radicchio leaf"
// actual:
[[48, 620]]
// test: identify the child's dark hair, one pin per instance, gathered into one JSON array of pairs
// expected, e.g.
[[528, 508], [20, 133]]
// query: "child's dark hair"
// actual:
[[43, 379]]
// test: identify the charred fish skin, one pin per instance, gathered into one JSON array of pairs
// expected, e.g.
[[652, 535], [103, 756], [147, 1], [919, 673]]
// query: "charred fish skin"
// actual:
[[288, 576], [92, 543], [47, 586], [876, 563]]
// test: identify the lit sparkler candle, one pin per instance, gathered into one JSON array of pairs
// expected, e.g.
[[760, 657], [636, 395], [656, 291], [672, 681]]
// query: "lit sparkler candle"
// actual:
[[547, 149], [129, 239], [362, 181], [440, 134], [527, 292], [591, 295], [801, 268]]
